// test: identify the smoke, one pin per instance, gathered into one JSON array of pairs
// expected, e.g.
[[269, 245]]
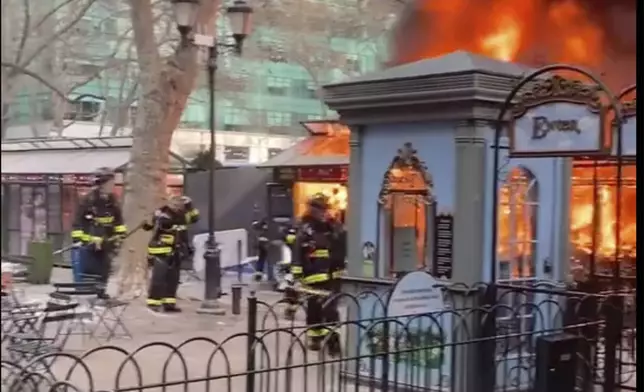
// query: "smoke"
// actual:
[[606, 29]]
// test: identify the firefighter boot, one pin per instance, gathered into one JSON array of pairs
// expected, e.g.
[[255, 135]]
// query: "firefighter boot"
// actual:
[[171, 308], [289, 312], [334, 346], [155, 308], [315, 343]]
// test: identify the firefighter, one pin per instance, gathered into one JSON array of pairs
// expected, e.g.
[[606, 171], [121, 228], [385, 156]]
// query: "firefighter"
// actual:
[[316, 267], [99, 228], [165, 249], [290, 294], [261, 231]]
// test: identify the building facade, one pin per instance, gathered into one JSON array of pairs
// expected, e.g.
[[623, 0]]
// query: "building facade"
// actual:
[[271, 88]]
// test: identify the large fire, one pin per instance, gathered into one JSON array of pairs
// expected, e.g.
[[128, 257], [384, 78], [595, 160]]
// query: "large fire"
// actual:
[[595, 33], [598, 34], [585, 220]]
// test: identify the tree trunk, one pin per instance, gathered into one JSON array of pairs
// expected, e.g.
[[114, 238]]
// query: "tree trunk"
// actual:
[[165, 87]]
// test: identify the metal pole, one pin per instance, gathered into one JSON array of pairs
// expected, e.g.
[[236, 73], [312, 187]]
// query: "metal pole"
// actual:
[[212, 255]]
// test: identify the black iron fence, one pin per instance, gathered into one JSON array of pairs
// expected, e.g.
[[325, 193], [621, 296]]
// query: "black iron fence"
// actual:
[[486, 339]]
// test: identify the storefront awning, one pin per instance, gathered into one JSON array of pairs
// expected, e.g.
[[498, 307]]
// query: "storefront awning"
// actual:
[[327, 146], [26, 157]]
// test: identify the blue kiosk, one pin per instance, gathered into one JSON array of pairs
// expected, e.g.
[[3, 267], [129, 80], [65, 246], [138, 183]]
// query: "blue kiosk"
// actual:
[[421, 198]]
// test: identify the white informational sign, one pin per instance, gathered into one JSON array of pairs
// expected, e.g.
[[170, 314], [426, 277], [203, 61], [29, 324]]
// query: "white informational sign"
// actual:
[[415, 293], [232, 243], [557, 129]]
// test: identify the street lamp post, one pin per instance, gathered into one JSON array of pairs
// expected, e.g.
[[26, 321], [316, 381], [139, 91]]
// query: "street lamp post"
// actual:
[[239, 14]]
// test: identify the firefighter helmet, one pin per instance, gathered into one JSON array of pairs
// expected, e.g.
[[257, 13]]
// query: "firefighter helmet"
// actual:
[[103, 175], [319, 200]]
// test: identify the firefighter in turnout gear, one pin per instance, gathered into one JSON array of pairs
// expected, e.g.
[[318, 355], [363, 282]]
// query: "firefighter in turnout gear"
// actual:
[[99, 227], [261, 230], [318, 267], [165, 249], [290, 294]]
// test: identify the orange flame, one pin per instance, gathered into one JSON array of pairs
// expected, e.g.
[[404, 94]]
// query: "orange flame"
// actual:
[[582, 212], [507, 30]]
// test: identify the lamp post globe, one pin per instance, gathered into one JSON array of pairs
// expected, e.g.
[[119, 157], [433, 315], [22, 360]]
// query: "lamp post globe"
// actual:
[[185, 14], [239, 16]]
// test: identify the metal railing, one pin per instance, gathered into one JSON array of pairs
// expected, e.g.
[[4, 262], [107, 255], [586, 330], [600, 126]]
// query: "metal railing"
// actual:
[[485, 340]]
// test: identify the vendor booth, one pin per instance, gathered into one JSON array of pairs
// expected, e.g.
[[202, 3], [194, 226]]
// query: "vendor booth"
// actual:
[[42, 180], [318, 163]]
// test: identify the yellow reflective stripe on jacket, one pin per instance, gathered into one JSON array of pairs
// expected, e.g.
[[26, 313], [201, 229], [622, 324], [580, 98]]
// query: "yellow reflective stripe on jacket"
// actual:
[[166, 239], [169, 300], [154, 302], [120, 229], [77, 234], [104, 219], [96, 240], [296, 269], [312, 291], [161, 250], [290, 238], [85, 237], [337, 274], [317, 333], [320, 253], [315, 278]]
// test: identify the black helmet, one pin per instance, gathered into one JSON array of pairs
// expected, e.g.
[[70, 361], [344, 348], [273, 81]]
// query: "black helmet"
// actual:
[[319, 200], [103, 175]]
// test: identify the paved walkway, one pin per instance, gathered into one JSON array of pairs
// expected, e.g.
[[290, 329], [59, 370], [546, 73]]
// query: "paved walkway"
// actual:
[[206, 331]]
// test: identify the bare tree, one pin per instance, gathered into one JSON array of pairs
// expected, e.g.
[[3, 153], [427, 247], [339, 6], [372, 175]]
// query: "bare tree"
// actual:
[[321, 29], [52, 49], [166, 81]]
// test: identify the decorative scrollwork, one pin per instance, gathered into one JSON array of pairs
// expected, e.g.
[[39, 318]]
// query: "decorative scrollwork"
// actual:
[[407, 174], [558, 88]]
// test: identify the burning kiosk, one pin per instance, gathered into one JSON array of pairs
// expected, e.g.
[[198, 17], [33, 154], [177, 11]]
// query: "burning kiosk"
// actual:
[[447, 108], [318, 163]]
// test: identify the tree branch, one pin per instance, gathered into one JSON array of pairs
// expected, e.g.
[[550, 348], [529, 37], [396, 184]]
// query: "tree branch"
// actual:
[[59, 33], [22, 70]]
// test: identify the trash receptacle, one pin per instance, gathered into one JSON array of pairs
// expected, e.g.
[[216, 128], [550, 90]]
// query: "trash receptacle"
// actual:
[[42, 262]]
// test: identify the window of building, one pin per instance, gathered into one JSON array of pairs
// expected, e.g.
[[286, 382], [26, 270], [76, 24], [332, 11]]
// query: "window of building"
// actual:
[[352, 63], [278, 86], [83, 110], [304, 88], [279, 119], [518, 209], [517, 226]]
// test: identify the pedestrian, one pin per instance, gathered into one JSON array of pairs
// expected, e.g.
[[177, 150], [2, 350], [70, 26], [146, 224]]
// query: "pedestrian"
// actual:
[[261, 234]]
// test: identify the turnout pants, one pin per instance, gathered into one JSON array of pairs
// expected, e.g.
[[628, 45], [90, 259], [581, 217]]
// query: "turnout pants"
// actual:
[[164, 281], [320, 311], [262, 255], [97, 263]]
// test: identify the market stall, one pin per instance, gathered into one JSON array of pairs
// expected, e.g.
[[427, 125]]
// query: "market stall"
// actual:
[[42, 180], [318, 163]]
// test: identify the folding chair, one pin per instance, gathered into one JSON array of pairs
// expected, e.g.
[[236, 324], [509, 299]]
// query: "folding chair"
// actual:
[[50, 333], [80, 325], [110, 318], [109, 313]]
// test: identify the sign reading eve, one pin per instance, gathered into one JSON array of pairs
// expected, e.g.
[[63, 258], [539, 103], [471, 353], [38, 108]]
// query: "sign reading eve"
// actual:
[[558, 128]]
